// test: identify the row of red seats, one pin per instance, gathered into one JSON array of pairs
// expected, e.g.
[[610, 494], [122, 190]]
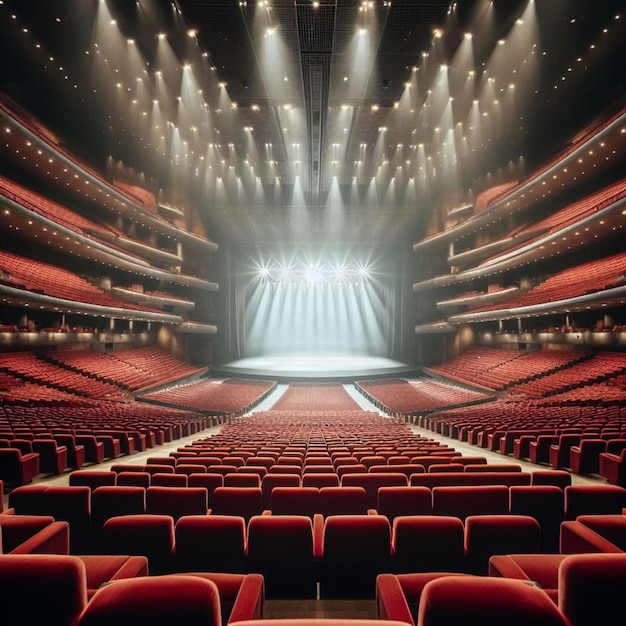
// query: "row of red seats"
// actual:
[[219, 396], [91, 590], [570, 283], [57, 282], [30, 367], [566, 590], [565, 217], [412, 396], [120, 369], [299, 397], [91, 499]]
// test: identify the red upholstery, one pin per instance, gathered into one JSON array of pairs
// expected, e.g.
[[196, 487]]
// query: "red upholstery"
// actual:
[[558, 478], [176, 501], [546, 503], [315, 479], [486, 601], [209, 481], [146, 535], [398, 596], [591, 588], [295, 501], [17, 468], [53, 458], [75, 451], [486, 535], [104, 569], [426, 543], [159, 600], [396, 501], [347, 569], [94, 449], [610, 527], [281, 549], [241, 501], [71, 504], [92, 479], [593, 500], [464, 501], [585, 457], [134, 479], [614, 467], [168, 480], [372, 482], [45, 588], [239, 479], [241, 595], [542, 569], [33, 534], [342, 501], [215, 543], [270, 481]]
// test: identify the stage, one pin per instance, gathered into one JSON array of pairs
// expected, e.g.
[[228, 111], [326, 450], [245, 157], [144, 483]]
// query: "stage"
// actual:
[[315, 367]]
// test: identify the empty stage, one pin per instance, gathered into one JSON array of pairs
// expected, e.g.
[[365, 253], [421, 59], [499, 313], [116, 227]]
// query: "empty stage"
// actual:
[[320, 367]]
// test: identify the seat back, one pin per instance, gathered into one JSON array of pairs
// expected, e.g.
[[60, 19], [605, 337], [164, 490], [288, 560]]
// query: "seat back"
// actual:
[[464, 501], [295, 501], [155, 600], [43, 588], [281, 549], [241, 501], [176, 501], [210, 543], [342, 501], [356, 548], [428, 543], [146, 535], [591, 588], [486, 601], [396, 501]]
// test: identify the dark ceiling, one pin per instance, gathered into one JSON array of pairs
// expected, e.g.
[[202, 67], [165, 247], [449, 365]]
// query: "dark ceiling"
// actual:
[[337, 120]]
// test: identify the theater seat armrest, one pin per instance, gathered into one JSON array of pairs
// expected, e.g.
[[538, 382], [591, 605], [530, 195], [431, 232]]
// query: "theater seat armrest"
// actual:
[[53, 539], [578, 539], [318, 536], [392, 604], [372, 512], [10, 511], [266, 512], [249, 601], [504, 566]]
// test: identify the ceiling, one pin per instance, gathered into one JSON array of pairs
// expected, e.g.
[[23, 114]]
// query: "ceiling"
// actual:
[[294, 120]]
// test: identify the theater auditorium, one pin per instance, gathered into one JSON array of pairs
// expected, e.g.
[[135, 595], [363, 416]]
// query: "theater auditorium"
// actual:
[[312, 312]]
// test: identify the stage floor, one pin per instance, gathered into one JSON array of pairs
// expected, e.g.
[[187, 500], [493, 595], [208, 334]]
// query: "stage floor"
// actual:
[[315, 367]]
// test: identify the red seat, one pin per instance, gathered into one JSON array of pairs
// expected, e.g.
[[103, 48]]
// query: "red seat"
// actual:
[[295, 501], [281, 549], [486, 601], [342, 501], [209, 481], [428, 543], [155, 600], [545, 503], [215, 543], [176, 501], [53, 458], [43, 588], [92, 478], [241, 501], [271, 481], [17, 468], [372, 482], [585, 457], [464, 501], [396, 501], [486, 535], [146, 535], [593, 500], [347, 569]]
